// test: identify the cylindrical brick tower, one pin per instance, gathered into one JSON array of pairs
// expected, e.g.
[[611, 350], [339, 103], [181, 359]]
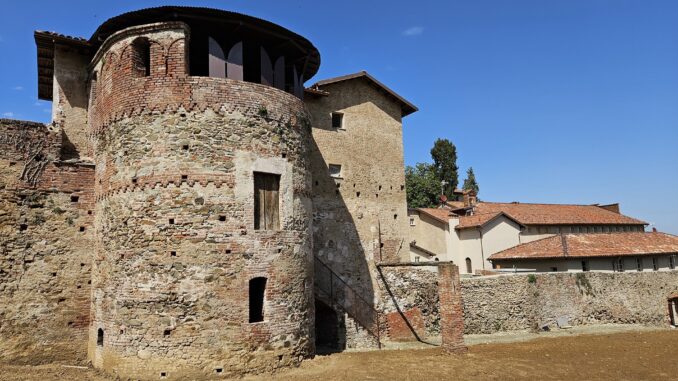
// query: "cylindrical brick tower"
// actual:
[[203, 260]]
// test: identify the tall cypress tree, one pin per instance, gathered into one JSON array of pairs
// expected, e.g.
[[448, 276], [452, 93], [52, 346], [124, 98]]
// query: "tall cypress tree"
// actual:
[[444, 155], [470, 183]]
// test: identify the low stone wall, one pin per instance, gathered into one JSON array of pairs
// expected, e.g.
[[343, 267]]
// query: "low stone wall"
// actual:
[[518, 302]]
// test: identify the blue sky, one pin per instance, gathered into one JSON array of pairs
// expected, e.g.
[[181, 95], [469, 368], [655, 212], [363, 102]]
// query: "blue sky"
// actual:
[[550, 101]]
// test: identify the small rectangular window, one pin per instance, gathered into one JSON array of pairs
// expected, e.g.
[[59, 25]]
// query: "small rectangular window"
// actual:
[[672, 262], [266, 201], [335, 170], [619, 265], [554, 269], [639, 264], [337, 120], [412, 222], [655, 264], [416, 259], [585, 266]]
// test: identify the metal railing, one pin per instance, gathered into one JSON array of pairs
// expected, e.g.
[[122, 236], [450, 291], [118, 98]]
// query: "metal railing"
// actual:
[[337, 292]]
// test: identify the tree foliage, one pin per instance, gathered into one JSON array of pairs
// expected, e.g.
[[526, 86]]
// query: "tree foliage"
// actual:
[[470, 183], [444, 155], [423, 186]]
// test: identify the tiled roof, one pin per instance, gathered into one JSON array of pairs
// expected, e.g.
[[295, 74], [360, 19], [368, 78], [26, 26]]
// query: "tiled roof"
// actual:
[[547, 214], [406, 107], [592, 245], [442, 215]]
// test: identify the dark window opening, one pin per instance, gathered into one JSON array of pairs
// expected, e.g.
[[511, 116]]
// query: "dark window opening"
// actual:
[[166, 333], [655, 264], [357, 194], [75, 198], [585, 266], [100, 337], [337, 120], [554, 269], [469, 266], [185, 147], [141, 57], [395, 216], [134, 180], [283, 155], [173, 253], [639, 264], [89, 212], [163, 374], [266, 201], [228, 251], [23, 227], [171, 221], [257, 290], [222, 218], [82, 228], [218, 370]]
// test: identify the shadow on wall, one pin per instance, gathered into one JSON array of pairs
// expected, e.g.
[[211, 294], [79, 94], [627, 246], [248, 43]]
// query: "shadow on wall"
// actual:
[[343, 279]]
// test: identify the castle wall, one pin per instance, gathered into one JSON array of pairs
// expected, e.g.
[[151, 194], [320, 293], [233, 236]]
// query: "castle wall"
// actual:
[[176, 244], [46, 237]]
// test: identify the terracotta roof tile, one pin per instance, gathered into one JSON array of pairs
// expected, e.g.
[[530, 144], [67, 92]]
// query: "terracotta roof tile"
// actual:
[[592, 245], [549, 214], [442, 215]]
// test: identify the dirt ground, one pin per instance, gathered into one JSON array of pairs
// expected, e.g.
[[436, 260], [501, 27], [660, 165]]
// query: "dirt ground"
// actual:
[[627, 355]]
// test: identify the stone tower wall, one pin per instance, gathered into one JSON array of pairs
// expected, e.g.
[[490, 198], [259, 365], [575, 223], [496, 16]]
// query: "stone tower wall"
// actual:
[[175, 239], [46, 238]]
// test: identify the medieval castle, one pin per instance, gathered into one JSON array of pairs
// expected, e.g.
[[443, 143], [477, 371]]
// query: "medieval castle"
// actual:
[[194, 212]]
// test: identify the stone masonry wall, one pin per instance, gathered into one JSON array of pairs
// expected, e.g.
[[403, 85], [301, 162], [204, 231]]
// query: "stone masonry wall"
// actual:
[[359, 218], [45, 244], [514, 302], [175, 240]]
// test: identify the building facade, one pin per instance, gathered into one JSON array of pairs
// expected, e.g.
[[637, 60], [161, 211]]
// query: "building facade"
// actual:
[[193, 211]]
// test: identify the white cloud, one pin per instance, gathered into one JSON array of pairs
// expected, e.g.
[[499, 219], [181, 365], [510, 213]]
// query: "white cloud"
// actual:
[[18, 88], [8, 114], [413, 31]]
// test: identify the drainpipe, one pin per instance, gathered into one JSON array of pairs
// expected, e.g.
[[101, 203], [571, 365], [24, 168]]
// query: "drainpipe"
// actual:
[[482, 251]]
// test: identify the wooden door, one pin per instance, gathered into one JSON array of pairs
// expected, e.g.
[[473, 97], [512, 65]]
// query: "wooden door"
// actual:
[[266, 201]]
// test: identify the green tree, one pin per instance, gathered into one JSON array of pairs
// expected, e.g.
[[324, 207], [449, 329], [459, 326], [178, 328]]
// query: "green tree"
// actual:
[[444, 155], [470, 183], [423, 186]]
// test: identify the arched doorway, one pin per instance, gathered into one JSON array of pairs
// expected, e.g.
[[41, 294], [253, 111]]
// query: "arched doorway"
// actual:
[[330, 329], [469, 266]]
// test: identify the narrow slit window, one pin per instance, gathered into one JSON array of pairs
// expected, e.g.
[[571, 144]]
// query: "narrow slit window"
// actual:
[[655, 264], [585, 265], [337, 120], [257, 291], [266, 201], [100, 337]]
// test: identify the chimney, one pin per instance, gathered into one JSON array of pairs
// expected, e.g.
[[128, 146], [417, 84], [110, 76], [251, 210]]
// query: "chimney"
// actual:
[[470, 198], [611, 207]]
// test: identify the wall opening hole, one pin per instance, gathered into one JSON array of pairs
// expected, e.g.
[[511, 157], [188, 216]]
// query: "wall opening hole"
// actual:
[[184, 147], [82, 228], [82, 265], [171, 221], [100, 337], [218, 370], [134, 180], [75, 198], [78, 287], [23, 227], [163, 374], [279, 250], [122, 331], [381, 244], [395, 216], [12, 163], [257, 290], [173, 253], [70, 324], [379, 187], [229, 251], [166, 332], [222, 218], [89, 212], [402, 187], [377, 195], [184, 177], [316, 183], [337, 120], [284, 155], [357, 194], [280, 357]]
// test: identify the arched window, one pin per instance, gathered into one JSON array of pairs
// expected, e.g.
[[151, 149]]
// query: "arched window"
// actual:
[[469, 266], [234, 63], [141, 57], [257, 291], [217, 60], [100, 337]]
